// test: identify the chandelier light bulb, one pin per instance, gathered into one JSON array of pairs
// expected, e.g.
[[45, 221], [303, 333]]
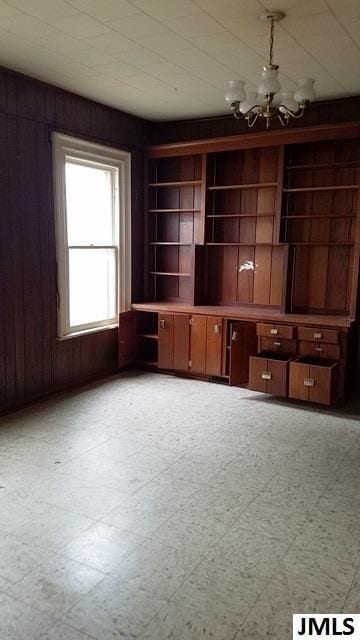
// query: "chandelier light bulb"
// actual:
[[249, 103], [287, 100], [235, 92], [269, 82], [305, 90]]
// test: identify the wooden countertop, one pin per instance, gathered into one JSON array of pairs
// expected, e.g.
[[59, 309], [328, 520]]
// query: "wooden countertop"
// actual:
[[248, 313]]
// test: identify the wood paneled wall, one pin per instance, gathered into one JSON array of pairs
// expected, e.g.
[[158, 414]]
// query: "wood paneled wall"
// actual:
[[325, 112], [32, 361]]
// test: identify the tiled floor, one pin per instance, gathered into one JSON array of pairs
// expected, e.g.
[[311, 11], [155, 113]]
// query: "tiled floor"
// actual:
[[154, 507]]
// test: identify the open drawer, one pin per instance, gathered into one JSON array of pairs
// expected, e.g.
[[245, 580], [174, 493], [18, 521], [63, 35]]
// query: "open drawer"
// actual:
[[268, 372], [314, 380]]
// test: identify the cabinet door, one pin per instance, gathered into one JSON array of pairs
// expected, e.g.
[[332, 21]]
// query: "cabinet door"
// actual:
[[198, 344], [277, 385], [181, 341], [166, 341], [243, 344], [325, 379], [257, 367], [298, 373], [214, 332], [127, 338]]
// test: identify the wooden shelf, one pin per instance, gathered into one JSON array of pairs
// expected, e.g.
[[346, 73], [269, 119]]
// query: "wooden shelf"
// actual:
[[255, 185], [321, 244], [173, 210], [240, 244], [319, 215], [240, 215], [149, 336], [325, 165], [337, 187], [171, 244], [176, 183], [170, 273]]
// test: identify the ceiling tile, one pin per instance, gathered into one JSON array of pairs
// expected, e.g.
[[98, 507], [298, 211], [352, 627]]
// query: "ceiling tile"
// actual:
[[140, 57], [27, 26], [167, 9], [188, 57], [165, 42], [117, 70], [104, 10], [91, 57], [197, 25], [231, 8], [112, 43], [136, 27], [218, 42], [74, 69], [62, 43], [45, 10], [82, 26], [6, 11], [345, 8]]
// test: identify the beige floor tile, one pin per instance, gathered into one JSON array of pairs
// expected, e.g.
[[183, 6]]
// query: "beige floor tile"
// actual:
[[103, 547], [20, 622], [114, 610], [55, 586], [185, 623]]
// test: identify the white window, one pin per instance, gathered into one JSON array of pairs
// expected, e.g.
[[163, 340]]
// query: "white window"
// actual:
[[92, 204]]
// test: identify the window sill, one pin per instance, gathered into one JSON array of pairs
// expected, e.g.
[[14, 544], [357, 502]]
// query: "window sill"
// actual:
[[84, 332]]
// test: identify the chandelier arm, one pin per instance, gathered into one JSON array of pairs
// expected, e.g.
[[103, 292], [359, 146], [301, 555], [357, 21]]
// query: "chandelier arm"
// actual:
[[293, 114], [251, 118], [283, 120]]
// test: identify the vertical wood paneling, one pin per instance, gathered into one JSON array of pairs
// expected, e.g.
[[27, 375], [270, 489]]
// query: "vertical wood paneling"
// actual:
[[33, 361]]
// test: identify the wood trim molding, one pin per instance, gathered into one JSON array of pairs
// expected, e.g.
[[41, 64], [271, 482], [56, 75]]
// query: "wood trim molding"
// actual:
[[258, 139]]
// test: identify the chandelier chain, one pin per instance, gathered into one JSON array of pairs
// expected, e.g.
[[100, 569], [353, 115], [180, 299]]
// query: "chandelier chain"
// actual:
[[271, 41]]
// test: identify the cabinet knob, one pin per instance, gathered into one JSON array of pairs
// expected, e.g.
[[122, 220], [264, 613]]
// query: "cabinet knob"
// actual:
[[217, 328], [309, 382], [319, 349], [235, 335], [162, 324], [277, 344], [274, 332], [317, 336]]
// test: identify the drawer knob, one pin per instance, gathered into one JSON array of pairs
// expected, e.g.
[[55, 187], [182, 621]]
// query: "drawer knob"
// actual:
[[162, 324], [317, 336], [266, 375], [309, 382], [274, 332], [319, 349], [277, 344]]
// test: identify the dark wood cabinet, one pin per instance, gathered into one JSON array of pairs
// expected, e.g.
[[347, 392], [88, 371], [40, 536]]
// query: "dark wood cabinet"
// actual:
[[242, 345], [260, 228]]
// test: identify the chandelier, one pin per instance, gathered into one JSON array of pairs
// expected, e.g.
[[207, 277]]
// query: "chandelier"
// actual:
[[269, 102]]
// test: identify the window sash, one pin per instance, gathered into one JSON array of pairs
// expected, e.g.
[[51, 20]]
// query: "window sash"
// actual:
[[65, 149]]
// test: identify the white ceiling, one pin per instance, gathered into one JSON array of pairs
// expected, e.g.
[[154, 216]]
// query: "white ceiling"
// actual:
[[168, 59]]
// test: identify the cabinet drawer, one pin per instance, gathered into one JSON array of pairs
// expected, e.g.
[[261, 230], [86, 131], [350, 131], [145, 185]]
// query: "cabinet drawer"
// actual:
[[278, 345], [314, 380], [311, 334], [275, 330], [268, 372], [319, 349]]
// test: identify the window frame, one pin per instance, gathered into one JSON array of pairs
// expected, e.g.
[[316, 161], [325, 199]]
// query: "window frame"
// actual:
[[92, 154]]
